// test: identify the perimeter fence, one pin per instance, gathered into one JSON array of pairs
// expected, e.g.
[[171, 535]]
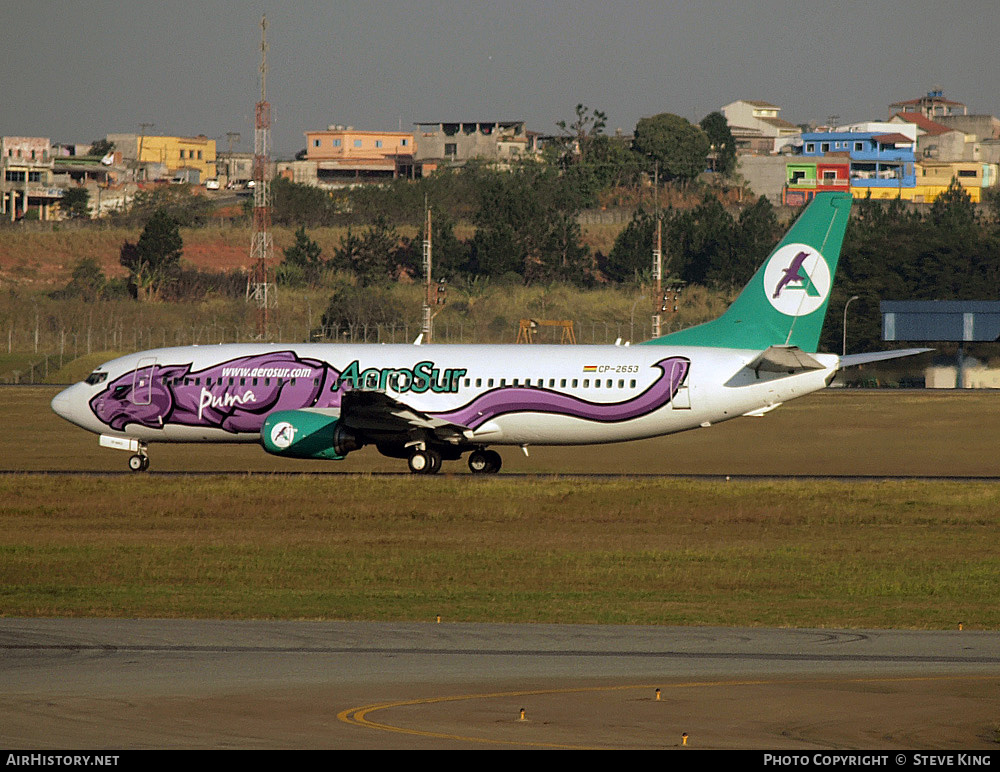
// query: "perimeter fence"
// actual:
[[36, 354]]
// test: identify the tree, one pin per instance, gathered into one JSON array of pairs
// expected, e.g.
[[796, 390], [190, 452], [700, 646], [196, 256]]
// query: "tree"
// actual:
[[101, 147], [680, 148], [756, 233], [721, 142], [87, 281], [178, 201], [372, 256], [297, 204], [304, 263], [526, 225], [356, 311], [154, 261], [709, 245], [587, 126], [450, 256], [631, 257], [76, 202]]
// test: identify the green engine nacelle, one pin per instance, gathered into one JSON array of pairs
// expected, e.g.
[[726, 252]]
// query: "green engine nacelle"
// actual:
[[304, 434]]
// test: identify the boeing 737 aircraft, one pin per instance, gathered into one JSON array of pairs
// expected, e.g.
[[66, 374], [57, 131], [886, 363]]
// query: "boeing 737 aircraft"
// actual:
[[432, 403]]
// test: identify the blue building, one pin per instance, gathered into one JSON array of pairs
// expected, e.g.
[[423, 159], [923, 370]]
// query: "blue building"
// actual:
[[877, 160]]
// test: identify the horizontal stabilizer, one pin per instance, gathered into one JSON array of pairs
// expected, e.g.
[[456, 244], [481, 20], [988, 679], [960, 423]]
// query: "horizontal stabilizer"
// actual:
[[852, 360], [784, 359]]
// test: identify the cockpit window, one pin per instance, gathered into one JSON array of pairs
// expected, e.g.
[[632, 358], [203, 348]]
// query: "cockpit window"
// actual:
[[97, 377]]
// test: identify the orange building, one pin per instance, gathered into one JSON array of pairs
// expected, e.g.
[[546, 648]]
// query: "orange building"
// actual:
[[344, 155]]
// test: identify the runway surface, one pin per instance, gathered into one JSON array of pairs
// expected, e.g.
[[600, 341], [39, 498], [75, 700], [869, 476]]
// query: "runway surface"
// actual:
[[121, 684]]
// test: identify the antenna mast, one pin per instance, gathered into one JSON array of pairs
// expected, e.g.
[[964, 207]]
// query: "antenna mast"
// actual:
[[259, 286], [435, 294], [658, 257], [428, 324]]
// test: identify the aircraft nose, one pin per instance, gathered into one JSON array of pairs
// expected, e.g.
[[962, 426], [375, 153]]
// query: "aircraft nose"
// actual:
[[65, 403]]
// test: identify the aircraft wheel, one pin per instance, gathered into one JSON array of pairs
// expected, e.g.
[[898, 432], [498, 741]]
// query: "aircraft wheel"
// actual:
[[138, 463], [485, 462], [494, 460], [479, 462], [424, 462]]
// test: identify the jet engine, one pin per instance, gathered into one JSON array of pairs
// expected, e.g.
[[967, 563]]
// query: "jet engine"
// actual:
[[306, 434]]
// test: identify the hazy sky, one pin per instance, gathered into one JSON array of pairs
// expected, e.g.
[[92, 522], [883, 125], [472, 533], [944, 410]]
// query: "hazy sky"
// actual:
[[75, 71]]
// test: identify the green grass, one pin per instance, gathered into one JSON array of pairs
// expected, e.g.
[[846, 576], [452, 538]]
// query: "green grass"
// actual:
[[343, 544], [844, 432], [908, 554]]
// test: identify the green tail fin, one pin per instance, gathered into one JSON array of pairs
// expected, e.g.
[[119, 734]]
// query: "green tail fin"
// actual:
[[785, 301]]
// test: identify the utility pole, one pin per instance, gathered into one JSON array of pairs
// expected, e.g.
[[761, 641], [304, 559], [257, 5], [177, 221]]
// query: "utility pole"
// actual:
[[142, 139], [259, 286]]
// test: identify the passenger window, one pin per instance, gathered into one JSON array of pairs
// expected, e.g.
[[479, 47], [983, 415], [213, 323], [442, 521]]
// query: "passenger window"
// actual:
[[631, 384], [562, 383], [586, 383], [574, 383]]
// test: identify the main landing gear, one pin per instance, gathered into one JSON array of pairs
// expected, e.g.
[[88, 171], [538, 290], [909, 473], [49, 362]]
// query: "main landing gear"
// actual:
[[428, 461], [139, 462], [485, 462]]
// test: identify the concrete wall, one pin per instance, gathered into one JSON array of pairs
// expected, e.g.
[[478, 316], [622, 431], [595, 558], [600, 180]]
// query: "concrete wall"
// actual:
[[973, 377], [460, 142], [980, 126], [764, 174]]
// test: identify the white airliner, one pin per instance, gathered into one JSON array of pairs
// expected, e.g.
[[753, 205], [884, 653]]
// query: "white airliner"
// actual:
[[432, 403]]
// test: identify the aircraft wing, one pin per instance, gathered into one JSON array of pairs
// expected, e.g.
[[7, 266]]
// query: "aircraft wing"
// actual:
[[375, 413], [878, 356]]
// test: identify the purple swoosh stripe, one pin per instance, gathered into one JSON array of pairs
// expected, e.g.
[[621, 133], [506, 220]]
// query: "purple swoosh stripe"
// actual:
[[521, 400], [161, 402]]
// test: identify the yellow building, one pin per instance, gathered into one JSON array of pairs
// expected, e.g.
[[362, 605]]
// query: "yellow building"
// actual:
[[167, 156], [920, 194]]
